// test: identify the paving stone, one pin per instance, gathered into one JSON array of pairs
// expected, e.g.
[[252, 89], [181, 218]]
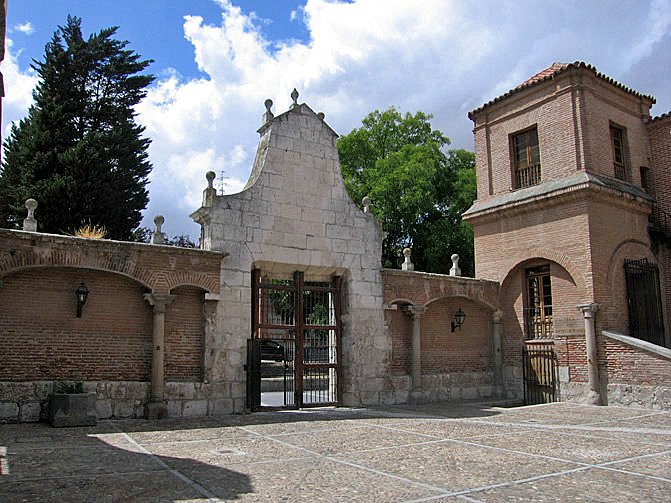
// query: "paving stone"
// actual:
[[145, 487], [313, 480], [569, 446], [586, 485], [462, 453]]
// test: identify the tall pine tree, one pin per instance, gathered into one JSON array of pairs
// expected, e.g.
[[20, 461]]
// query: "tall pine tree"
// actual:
[[79, 152]]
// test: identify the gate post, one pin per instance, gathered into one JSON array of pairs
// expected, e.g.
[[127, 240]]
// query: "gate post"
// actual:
[[588, 311]]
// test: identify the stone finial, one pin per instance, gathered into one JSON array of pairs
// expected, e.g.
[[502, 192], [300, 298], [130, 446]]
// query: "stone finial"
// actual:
[[29, 223], [407, 265], [294, 97], [268, 115], [210, 192], [454, 270], [210, 176], [321, 115], [366, 204], [157, 237]]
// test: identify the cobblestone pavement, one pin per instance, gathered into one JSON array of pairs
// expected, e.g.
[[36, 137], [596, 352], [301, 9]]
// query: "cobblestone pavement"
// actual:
[[442, 452]]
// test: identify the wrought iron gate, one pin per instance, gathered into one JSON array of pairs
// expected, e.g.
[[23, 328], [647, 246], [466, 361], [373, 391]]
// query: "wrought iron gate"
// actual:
[[541, 377], [644, 301], [293, 356]]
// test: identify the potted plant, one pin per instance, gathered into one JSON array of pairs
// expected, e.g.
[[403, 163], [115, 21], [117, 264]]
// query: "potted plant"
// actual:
[[70, 405]]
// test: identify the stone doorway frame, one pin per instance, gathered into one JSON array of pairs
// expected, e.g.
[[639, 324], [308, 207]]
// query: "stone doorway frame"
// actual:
[[295, 325]]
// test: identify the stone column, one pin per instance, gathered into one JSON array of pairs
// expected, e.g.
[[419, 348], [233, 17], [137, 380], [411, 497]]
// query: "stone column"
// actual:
[[415, 313], [160, 302], [588, 312], [498, 352]]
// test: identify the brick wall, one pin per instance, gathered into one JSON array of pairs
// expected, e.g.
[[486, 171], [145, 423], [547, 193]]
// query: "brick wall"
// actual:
[[184, 335], [109, 348], [659, 131], [572, 113], [465, 350], [42, 339], [398, 329], [622, 363]]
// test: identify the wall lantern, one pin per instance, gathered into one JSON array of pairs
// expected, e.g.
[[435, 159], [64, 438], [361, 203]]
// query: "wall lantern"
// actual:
[[459, 318], [82, 292]]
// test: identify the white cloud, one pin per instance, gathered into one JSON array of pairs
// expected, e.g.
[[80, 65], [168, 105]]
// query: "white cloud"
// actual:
[[26, 28], [444, 57], [18, 89]]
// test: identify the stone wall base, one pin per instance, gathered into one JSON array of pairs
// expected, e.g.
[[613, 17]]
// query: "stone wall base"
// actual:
[[24, 402], [628, 395], [451, 387]]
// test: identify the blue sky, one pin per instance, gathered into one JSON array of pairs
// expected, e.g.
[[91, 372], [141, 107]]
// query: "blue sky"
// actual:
[[216, 61]]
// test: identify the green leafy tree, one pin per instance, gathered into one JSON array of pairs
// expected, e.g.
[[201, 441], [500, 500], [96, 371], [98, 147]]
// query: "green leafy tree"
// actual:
[[79, 151], [419, 190]]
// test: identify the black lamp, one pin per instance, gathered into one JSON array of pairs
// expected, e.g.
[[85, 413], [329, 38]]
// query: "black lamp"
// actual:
[[81, 292], [459, 318]]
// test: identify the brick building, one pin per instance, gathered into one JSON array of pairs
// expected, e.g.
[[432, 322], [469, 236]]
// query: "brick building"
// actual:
[[570, 219], [286, 304]]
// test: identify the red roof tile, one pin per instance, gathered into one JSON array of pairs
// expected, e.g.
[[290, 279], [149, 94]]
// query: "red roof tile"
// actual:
[[550, 73]]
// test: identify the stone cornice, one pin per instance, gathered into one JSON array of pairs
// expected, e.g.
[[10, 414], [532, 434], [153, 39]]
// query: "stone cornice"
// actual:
[[560, 191]]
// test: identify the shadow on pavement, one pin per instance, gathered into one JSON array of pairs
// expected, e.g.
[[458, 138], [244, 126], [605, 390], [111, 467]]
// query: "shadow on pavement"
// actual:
[[40, 463]]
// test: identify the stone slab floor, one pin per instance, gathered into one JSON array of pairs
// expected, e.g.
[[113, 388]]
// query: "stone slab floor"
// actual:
[[444, 452]]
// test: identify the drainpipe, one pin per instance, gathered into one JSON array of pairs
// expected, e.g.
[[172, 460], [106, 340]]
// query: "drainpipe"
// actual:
[[588, 312]]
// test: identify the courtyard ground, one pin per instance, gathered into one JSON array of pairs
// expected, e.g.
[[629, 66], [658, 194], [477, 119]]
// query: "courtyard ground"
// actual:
[[441, 452]]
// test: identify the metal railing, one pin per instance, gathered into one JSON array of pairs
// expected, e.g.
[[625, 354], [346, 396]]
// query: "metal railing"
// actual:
[[526, 177], [620, 171]]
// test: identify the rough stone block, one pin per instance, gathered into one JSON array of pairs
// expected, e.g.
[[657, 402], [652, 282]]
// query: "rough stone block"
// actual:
[[179, 390], [195, 408], [138, 390], [174, 408], [124, 408], [220, 406], [30, 412], [103, 409], [6, 393], [118, 390], [9, 411]]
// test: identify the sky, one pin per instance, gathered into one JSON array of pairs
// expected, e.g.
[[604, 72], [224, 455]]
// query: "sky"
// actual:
[[216, 61]]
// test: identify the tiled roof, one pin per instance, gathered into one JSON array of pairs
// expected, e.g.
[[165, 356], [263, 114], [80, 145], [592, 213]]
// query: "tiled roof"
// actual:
[[667, 115], [550, 73]]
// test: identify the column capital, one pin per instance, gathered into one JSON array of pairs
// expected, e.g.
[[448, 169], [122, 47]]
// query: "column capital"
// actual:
[[414, 311], [159, 301], [589, 309], [497, 315]]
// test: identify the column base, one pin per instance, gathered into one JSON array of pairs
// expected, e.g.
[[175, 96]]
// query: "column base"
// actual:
[[156, 410], [593, 398]]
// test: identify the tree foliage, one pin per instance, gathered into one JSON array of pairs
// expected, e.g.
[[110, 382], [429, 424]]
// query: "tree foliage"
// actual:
[[418, 189], [79, 152]]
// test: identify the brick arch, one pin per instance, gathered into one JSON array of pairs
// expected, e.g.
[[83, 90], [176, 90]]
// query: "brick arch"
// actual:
[[189, 278], [22, 259], [618, 249], [402, 301], [476, 299], [548, 254]]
